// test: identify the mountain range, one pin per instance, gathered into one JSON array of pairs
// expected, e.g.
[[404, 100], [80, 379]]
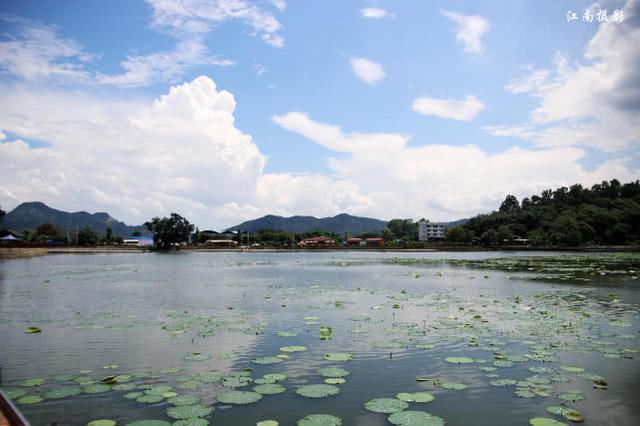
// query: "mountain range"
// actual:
[[32, 214], [339, 224]]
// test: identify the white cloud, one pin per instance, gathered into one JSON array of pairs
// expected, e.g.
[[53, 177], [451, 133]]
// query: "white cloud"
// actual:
[[143, 70], [135, 160], [36, 51], [465, 110], [367, 70], [259, 69], [373, 13], [469, 30], [595, 102], [198, 17], [279, 4], [437, 181]]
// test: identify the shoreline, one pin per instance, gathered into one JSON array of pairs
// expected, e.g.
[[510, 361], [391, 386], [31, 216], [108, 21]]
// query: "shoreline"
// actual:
[[26, 252]]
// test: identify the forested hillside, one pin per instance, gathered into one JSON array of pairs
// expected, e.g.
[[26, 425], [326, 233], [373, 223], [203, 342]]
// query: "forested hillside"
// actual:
[[606, 213]]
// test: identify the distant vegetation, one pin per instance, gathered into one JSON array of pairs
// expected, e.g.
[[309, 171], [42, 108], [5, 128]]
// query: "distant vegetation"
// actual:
[[607, 213], [169, 232], [338, 224]]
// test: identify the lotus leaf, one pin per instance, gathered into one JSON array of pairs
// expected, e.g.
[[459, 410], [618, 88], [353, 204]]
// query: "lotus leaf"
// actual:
[[150, 399], [338, 356], [317, 391], [333, 372], [293, 348], [239, 397], [62, 392], [545, 421], [194, 421], [189, 411], [269, 389], [267, 360], [183, 400], [385, 405], [415, 418], [104, 422], [31, 399], [415, 397], [320, 420], [97, 388], [459, 360]]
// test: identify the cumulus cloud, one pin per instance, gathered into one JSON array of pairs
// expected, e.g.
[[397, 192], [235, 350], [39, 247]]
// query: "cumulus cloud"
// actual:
[[443, 181], [198, 17], [142, 70], [469, 30], [593, 102], [373, 13], [182, 152], [36, 51], [367, 70], [279, 4], [465, 110]]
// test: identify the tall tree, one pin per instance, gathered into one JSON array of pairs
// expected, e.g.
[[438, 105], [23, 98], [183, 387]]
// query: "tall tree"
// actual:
[[170, 231]]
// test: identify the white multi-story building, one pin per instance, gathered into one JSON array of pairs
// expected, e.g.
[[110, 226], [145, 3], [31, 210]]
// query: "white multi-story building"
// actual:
[[430, 230]]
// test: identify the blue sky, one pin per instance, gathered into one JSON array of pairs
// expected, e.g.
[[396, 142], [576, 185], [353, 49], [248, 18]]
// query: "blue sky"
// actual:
[[383, 108]]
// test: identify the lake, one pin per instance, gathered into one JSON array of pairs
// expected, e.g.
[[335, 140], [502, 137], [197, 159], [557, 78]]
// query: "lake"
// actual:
[[481, 338]]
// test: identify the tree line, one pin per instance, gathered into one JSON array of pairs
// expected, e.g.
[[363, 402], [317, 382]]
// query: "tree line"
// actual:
[[608, 213]]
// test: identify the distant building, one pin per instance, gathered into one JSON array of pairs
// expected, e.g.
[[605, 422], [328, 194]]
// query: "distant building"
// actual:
[[430, 230], [317, 242], [354, 242], [375, 242], [137, 242], [365, 242], [220, 243]]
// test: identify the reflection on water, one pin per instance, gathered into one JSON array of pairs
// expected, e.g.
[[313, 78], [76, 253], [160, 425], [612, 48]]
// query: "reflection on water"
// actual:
[[165, 319]]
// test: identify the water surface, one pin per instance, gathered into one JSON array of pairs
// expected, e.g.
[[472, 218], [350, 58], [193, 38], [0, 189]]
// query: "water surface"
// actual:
[[142, 315]]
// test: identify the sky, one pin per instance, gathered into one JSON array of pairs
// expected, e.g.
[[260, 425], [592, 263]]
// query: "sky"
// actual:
[[227, 110]]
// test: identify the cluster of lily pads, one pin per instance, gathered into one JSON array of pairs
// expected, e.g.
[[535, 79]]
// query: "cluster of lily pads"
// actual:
[[500, 336]]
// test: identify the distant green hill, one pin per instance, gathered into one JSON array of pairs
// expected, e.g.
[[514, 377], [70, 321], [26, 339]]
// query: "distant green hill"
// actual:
[[339, 224], [30, 215], [607, 213]]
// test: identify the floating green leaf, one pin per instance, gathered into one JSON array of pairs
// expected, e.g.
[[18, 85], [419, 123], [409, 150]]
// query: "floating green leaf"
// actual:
[[239, 397], [415, 418], [459, 360], [149, 423], [267, 360], [545, 421], [334, 381], [103, 422], [317, 391], [183, 400], [415, 397], [97, 388], [385, 405], [320, 420], [269, 389], [333, 372], [150, 399], [338, 356], [31, 399], [32, 382], [62, 392], [32, 330], [189, 411], [293, 348]]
